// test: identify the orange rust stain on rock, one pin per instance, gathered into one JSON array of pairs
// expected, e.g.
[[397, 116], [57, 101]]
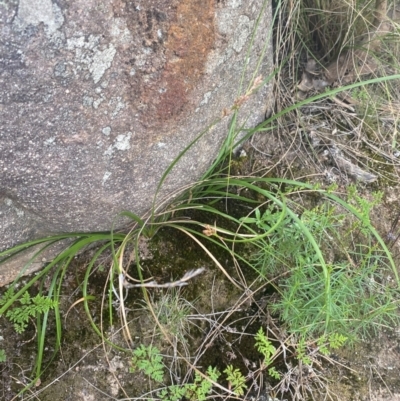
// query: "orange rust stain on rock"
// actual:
[[191, 37]]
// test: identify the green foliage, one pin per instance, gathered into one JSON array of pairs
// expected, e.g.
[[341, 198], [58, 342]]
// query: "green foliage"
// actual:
[[201, 386], [274, 373], [196, 391], [236, 380], [363, 207], [287, 242], [265, 347], [28, 308], [360, 94], [53, 273], [334, 341], [337, 340], [3, 356], [173, 393], [301, 352], [318, 299], [325, 345], [149, 360]]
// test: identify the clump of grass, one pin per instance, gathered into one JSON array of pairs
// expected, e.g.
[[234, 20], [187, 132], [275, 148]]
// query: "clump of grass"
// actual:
[[324, 46], [327, 29], [171, 311]]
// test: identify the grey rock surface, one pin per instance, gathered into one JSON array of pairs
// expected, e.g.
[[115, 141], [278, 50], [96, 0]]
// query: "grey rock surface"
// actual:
[[97, 98]]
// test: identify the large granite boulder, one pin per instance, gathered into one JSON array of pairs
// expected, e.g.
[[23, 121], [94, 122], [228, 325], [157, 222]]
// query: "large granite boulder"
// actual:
[[97, 98]]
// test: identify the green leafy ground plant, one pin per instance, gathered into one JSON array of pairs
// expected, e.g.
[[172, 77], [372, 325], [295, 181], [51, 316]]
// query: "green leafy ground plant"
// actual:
[[25, 308], [149, 360], [266, 348], [237, 382]]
